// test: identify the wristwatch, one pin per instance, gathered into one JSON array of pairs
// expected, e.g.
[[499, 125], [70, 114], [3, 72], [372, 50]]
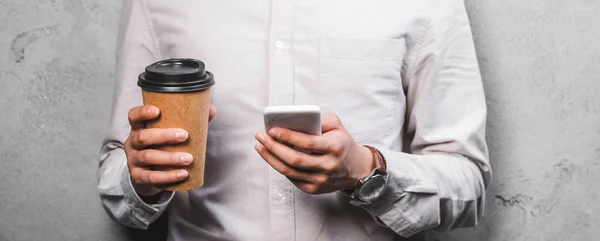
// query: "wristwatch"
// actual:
[[372, 186]]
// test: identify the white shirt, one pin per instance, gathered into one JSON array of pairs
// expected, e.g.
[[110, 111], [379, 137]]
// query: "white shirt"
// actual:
[[401, 75]]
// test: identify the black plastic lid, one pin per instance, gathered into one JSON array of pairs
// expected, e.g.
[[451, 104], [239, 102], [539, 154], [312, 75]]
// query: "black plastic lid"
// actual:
[[176, 75]]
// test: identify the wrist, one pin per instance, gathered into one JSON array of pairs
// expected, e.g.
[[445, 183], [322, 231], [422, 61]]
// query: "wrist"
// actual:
[[371, 185], [369, 161], [366, 163], [154, 199], [146, 190]]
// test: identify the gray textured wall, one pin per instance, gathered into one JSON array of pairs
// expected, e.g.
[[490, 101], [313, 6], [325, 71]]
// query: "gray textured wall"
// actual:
[[56, 71], [540, 61], [541, 66]]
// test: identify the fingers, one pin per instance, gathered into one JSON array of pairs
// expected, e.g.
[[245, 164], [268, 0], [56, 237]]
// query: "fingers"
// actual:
[[281, 166], [145, 176], [150, 157], [307, 187], [313, 143], [140, 162], [330, 122], [155, 136], [138, 115], [212, 111], [288, 155]]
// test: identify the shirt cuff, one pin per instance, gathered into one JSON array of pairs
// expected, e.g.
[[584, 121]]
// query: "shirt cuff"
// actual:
[[409, 204], [143, 214]]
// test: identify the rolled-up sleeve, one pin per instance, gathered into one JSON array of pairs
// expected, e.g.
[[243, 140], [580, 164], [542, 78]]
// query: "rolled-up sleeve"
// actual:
[[440, 183], [135, 50]]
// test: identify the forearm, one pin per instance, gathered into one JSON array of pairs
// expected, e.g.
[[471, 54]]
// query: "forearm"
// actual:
[[437, 190], [441, 183]]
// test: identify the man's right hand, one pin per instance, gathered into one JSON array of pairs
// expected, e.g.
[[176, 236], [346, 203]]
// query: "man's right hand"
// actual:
[[140, 159]]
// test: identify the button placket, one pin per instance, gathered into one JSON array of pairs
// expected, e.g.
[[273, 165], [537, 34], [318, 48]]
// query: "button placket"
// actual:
[[281, 92]]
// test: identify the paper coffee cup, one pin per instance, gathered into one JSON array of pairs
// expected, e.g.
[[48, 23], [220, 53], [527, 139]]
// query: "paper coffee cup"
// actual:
[[180, 88]]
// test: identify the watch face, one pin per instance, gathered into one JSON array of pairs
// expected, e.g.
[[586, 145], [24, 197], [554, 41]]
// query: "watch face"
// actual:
[[372, 188]]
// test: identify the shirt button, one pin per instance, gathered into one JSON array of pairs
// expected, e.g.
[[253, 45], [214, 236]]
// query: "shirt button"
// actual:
[[279, 44], [280, 196]]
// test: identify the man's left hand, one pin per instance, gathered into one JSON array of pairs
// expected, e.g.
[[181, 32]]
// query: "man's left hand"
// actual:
[[336, 162]]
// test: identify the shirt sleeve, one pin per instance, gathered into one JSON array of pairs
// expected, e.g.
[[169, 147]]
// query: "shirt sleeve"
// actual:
[[136, 49], [440, 183]]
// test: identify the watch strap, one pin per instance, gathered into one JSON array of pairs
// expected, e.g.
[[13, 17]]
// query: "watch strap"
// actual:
[[380, 169], [380, 164]]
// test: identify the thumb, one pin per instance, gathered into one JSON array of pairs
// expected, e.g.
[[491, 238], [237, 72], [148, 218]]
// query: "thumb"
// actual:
[[212, 111], [329, 122]]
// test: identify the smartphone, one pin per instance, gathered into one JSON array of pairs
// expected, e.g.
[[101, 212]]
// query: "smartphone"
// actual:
[[300, 118]]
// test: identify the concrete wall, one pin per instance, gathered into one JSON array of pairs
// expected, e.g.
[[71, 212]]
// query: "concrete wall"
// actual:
[[541, 66], [540, 61], [56, 78]]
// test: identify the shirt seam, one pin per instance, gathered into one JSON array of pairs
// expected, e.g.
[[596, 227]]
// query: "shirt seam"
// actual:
[[151, 30], [411, 227], [293, 57], [131, 217], [419, 47], [414, 228]]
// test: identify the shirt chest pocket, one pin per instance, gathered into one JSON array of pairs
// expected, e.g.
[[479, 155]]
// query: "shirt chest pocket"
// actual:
[[360, 81]]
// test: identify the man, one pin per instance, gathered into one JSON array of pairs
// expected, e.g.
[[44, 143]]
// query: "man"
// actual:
[[399, 82]]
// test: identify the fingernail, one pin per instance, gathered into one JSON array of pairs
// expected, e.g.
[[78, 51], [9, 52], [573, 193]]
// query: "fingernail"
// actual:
[[260, 137], [182, 174], [274, 133], [180, 135], [258, 147], [186, 158], [152, 110]]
